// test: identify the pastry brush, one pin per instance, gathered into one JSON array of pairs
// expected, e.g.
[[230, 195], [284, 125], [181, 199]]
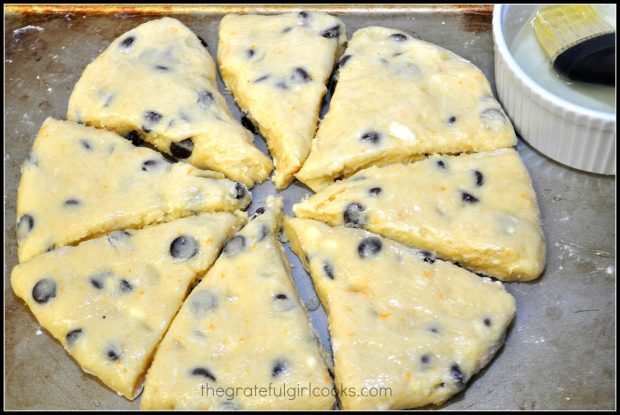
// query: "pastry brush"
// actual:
[[579, 43]]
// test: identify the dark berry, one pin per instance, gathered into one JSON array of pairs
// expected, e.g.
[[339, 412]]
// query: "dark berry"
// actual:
[[369, 247], [203, 372], [354, 216], [234, 246], [184, 247], [44, 290], [182, 149]]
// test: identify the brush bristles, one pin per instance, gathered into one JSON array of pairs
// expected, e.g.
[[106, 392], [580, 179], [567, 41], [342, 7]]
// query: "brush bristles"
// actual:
[[558, 28]]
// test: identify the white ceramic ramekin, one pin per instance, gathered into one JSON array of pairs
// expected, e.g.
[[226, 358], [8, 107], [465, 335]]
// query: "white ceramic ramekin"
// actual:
[[568, 133]]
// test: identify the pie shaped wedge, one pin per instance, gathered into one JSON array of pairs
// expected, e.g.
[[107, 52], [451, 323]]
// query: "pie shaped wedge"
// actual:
[[397, 99], [242, 330], [157, 83], [407, 329], [110, 300], [80, 182], [477, 209], [276, 67]]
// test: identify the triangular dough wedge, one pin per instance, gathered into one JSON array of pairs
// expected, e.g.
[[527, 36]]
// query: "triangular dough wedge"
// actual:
[[276, 67], [397, 99], [157, 82], [110, 300], [409, 328], [242, 327], [80, 182], [478, 210]]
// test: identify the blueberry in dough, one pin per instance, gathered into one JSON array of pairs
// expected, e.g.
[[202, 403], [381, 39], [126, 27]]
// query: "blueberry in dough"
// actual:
[[162, 68], [479, 178], [369, 247], [300, 75], [73, 336], [375, 191], [98, 281], [262, 78], [281, 302], [332, 32], [184, 247], [152, 117], [281, 85], [118, 238], [202, 302], [343, 61], [72, 202], [328, 269], [425, 359], [372, 137], [354, 216], [153, 165], [182, 149], [250, 53], [457, 374], [44, 290], [86, 144], [127, 43], [451, 120], [124, 285], [113, 353], [234, 246], [134, 137], [303, 17], [24, 226], [279, 367], [469, 198], [205, 98], [427, 256], [240, 191], [441, 164], [398, 37], [203, 372], [487, 322]]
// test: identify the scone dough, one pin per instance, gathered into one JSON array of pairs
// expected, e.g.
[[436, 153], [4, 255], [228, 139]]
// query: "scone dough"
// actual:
[[399, 318], [242, 327], [477, 209], [397, 99], [110, 300], [80, 182], [157, 82], [276, 67]]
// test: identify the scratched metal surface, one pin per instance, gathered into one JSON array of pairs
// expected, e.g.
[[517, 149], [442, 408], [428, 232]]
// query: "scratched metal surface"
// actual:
[[560, 351]]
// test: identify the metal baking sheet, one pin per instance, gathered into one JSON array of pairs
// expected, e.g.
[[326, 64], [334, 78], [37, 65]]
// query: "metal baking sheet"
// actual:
[[560, 351]]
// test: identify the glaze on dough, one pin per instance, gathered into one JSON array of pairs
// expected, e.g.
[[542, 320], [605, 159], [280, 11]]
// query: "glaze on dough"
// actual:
[[398, 317], [397, 99], [158, 83], [80, 182], [277, 66], [478, 210], [243, 326], [110, 300]]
